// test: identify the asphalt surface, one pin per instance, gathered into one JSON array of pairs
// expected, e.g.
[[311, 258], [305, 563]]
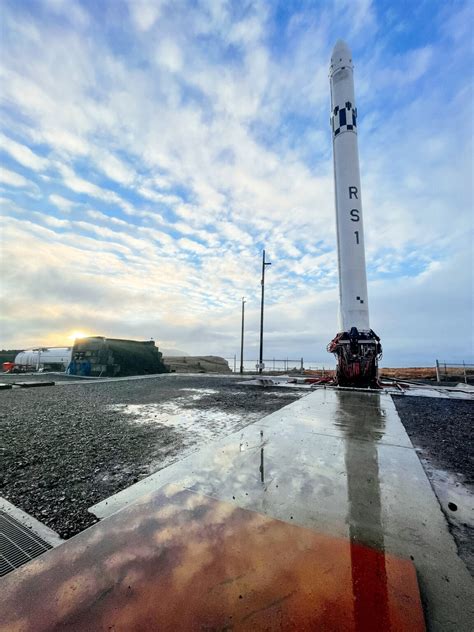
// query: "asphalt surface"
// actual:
[[64, 448]]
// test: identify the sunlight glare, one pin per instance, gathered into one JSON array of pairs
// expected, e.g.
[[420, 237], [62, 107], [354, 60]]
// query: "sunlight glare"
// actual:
[[77, 334]]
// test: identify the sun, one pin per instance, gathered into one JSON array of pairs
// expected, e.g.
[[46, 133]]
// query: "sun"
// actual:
[[77, 334]]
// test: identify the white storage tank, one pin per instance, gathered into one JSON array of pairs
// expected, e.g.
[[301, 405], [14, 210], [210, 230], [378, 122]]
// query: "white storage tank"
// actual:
[[54, 357]]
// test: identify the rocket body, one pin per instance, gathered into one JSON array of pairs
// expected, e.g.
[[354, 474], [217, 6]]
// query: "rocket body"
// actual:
[[356, 347], [353, 300]]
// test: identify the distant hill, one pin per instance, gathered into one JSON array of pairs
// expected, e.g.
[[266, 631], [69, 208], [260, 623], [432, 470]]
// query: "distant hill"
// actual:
[[196, 364], [173, 352]]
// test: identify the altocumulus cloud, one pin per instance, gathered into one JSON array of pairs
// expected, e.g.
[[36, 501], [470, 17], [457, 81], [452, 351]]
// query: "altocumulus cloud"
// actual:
[[150, 150]]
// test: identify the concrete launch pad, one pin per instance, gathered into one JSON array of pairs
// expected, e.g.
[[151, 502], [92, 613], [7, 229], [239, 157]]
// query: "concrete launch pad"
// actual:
[[318, 515], [178, 560]]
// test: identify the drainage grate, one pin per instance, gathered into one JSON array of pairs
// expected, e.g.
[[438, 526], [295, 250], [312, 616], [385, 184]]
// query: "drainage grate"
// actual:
[[18, 544]]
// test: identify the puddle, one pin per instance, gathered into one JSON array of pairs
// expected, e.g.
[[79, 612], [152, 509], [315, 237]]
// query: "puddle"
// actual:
[[451, 490], [204, 391], [273, 394], [415, 391], [198, 425], [198, 393], [457, 501], [195, 424]]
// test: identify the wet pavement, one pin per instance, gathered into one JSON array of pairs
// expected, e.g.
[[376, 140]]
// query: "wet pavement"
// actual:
[[339, 463], [177, 560], [318, 516], [67, 447]]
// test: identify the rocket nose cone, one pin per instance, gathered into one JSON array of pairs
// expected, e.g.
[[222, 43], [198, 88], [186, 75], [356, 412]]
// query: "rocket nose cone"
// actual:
[[341, 57], [341, 48]]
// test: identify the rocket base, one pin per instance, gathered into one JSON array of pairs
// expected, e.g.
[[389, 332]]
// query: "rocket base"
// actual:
[[357, 353]]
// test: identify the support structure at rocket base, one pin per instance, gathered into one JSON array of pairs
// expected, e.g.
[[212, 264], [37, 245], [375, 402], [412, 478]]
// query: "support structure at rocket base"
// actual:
[[356, 347], [357, 353]]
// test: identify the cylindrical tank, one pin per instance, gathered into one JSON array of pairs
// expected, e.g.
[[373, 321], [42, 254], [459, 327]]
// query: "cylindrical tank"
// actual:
[[43, 356]]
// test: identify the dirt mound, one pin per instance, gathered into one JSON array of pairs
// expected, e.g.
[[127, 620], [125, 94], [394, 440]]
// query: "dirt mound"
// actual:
[[197, 364]]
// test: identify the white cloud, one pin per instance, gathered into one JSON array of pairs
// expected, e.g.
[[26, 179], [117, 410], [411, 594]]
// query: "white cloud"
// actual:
[[193, 246], [8, 206], [62, 203], [114, 168], [145, 13], [210, 127], [169, 55], [97, 215], [233, 233], [23, 154], [155, 196], [80, 185], [69, 9], [64, 141], [54, 222], [16, 180]]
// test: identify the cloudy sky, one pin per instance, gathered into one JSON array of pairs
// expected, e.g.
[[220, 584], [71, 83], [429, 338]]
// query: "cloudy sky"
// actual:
[[151, 149]]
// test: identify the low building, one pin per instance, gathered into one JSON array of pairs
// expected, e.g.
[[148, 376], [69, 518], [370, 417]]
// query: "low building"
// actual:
[[98, 356]]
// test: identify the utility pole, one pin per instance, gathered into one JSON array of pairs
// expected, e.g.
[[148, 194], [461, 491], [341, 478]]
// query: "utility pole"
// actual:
[[242, 337], [264, 263]]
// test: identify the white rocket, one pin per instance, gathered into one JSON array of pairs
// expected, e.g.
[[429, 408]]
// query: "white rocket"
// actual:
[[354, 309], [356, 346]]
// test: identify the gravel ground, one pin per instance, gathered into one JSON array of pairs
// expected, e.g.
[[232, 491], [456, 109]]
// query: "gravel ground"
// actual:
[[10, 378], [442, 432], [64, 448], [443, 429]]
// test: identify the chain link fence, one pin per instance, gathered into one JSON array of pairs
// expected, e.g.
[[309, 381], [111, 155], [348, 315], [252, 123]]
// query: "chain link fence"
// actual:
[[454, 372], [282, 365]]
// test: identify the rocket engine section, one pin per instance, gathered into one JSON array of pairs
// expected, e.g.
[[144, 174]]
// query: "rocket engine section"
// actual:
[[357, 348]]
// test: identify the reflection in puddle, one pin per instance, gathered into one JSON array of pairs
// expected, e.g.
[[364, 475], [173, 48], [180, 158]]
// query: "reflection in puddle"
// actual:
[[365, 512], [205, 424], [197, 425], [456, 498], [262, 465], [204, 391], [284, 394], [192, 562], [199, 393], [451, 489]]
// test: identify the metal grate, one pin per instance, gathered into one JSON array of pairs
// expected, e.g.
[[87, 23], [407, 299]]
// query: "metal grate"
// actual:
[[18, 544]]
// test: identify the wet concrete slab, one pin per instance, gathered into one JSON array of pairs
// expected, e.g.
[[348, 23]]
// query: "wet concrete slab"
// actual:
[[338, 463], [178, 560]]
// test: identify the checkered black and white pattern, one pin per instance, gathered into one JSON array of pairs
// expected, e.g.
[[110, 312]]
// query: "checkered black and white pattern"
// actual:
[[344, 119]]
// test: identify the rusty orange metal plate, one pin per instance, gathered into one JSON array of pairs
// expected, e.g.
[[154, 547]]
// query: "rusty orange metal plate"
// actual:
[[177, 560]]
